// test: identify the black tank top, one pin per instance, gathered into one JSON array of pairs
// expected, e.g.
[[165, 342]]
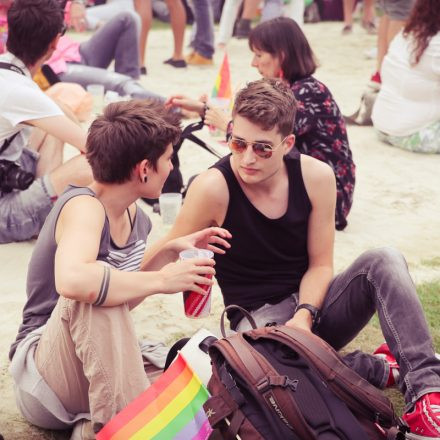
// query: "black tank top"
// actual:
[[268, 257]]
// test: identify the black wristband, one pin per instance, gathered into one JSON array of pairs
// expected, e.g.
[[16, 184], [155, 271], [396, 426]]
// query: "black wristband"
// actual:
[[205, 108], [314, 311]]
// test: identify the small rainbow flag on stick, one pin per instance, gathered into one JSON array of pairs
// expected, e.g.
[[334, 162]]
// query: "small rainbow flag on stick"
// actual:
[[171, 408], [222, 86]]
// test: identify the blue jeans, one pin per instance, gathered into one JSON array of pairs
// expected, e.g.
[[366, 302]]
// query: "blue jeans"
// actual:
[[22, 213], [202, 34], [377, 281], [116, 40]]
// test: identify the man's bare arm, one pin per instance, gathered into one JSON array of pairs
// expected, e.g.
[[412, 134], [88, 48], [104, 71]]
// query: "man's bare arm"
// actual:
[[320, 183], [205, 205]]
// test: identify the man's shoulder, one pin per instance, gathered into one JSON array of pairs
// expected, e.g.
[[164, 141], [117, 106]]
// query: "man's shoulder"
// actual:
[[211, 181], [317, 175]]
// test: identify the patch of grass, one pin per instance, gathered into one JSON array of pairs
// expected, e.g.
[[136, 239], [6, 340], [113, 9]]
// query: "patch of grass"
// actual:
[[429, 294], [432, 262]]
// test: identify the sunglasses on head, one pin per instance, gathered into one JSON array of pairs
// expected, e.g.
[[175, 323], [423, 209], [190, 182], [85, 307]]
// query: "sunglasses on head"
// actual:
[[261, 149], [63, 29]]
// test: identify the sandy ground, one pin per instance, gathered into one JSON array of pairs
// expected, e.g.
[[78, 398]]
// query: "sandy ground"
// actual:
[[397, 201]]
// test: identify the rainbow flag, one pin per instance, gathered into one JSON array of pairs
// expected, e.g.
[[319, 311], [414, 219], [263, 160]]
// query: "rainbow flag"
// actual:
[[171, 408], [222, 86]]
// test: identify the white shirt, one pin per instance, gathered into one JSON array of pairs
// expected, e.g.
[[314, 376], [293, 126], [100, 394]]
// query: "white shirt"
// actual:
[[20, 100], [409, 98]]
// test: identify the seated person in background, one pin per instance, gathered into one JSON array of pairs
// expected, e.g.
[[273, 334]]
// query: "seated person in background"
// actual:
[[281, 50], [141, 10], [77, 339], [86, 63], [279, 209], [407, 109], [33, 128]]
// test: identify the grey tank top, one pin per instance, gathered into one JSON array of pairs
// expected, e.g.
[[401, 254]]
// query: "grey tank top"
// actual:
[[40, 287]]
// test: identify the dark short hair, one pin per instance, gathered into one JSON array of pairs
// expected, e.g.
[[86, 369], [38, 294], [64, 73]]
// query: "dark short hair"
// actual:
[[127, 133], [282, 37], [32, 25], [267, 103]]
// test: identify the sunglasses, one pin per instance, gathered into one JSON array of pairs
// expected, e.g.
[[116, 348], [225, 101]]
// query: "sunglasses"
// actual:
[[261, 149], [63, 29]]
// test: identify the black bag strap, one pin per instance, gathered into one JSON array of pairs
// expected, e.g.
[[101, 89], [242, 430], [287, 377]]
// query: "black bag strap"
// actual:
[[242, 310], [11, 67], [16, 69], [8, 142]]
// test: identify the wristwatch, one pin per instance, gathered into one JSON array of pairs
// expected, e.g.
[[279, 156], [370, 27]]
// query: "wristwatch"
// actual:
[[314, 311]]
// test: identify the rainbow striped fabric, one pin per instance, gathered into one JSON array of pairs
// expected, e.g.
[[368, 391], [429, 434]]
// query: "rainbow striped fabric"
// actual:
[[222, 86], [171, 408]]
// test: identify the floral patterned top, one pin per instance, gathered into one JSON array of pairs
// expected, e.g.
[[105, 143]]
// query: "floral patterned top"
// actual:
[[321, 133]]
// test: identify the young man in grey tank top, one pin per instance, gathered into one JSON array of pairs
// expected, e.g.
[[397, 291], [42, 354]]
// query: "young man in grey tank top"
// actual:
[[76, 357], [334, 307]]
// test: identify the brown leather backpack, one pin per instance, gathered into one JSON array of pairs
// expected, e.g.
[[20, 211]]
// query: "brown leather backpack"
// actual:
[[284, 383]]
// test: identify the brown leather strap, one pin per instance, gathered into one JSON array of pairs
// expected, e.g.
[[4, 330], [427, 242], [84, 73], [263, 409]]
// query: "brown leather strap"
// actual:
[[256, 375], [245, 313], [331, 366]]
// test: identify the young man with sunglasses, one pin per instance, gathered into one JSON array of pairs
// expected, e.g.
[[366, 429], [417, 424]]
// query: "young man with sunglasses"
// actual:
[[33, 129], [280, 212]]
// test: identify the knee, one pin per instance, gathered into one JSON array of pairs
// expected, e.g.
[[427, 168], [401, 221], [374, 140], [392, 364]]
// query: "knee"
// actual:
[[130, 19], [386, 260]]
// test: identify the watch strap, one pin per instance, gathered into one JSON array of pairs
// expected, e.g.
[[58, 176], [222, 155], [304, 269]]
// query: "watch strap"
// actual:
[[314, 311]]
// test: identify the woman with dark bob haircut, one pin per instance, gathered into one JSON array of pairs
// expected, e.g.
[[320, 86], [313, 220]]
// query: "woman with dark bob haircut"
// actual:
[[281, 50]]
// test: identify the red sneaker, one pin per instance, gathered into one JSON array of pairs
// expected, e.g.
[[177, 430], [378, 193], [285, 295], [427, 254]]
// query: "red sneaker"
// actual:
[[375, 81], [424, 419], [384, 352]]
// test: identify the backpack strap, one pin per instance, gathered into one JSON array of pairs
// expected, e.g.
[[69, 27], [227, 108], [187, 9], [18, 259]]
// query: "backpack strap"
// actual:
[[360, 395], [242, 310], [267, 384]]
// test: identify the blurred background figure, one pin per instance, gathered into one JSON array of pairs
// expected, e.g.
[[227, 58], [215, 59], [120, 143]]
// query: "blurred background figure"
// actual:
[[395, 14], [368, 16], [407, 109], [91, 18]]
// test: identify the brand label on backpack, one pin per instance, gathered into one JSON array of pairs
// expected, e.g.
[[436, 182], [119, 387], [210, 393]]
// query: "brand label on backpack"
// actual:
[[276, 408]]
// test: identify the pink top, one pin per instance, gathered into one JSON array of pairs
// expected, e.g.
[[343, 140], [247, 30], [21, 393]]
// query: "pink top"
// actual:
[[67, 51]]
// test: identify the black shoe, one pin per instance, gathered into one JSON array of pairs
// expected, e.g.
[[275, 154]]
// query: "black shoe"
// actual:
[[143, 70], [175, 63], [243, 28]]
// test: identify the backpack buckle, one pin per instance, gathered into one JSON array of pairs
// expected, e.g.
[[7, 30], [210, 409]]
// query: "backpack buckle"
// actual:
[[291, 383]]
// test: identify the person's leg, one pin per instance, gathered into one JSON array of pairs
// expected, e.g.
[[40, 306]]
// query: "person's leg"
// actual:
[[295, 10], [379, 281], [348, 6], [145, 11], [98, 15], [178, 23], [203, 42], [90, 358], [271, 9], [122, 84], [227, 19], [368, 16], [116, 40]]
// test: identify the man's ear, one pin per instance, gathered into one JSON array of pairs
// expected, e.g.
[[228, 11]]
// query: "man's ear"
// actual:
[[142, 169], [289, 143]]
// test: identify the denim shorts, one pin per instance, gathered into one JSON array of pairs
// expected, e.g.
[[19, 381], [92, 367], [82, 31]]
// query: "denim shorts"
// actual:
[[22, 213], [397, 9]]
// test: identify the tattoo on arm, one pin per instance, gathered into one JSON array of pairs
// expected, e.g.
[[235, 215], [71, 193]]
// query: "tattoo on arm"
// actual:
[[102, 296]]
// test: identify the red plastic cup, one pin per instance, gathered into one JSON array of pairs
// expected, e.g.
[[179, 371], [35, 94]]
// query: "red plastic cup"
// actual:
[[195, 304]]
